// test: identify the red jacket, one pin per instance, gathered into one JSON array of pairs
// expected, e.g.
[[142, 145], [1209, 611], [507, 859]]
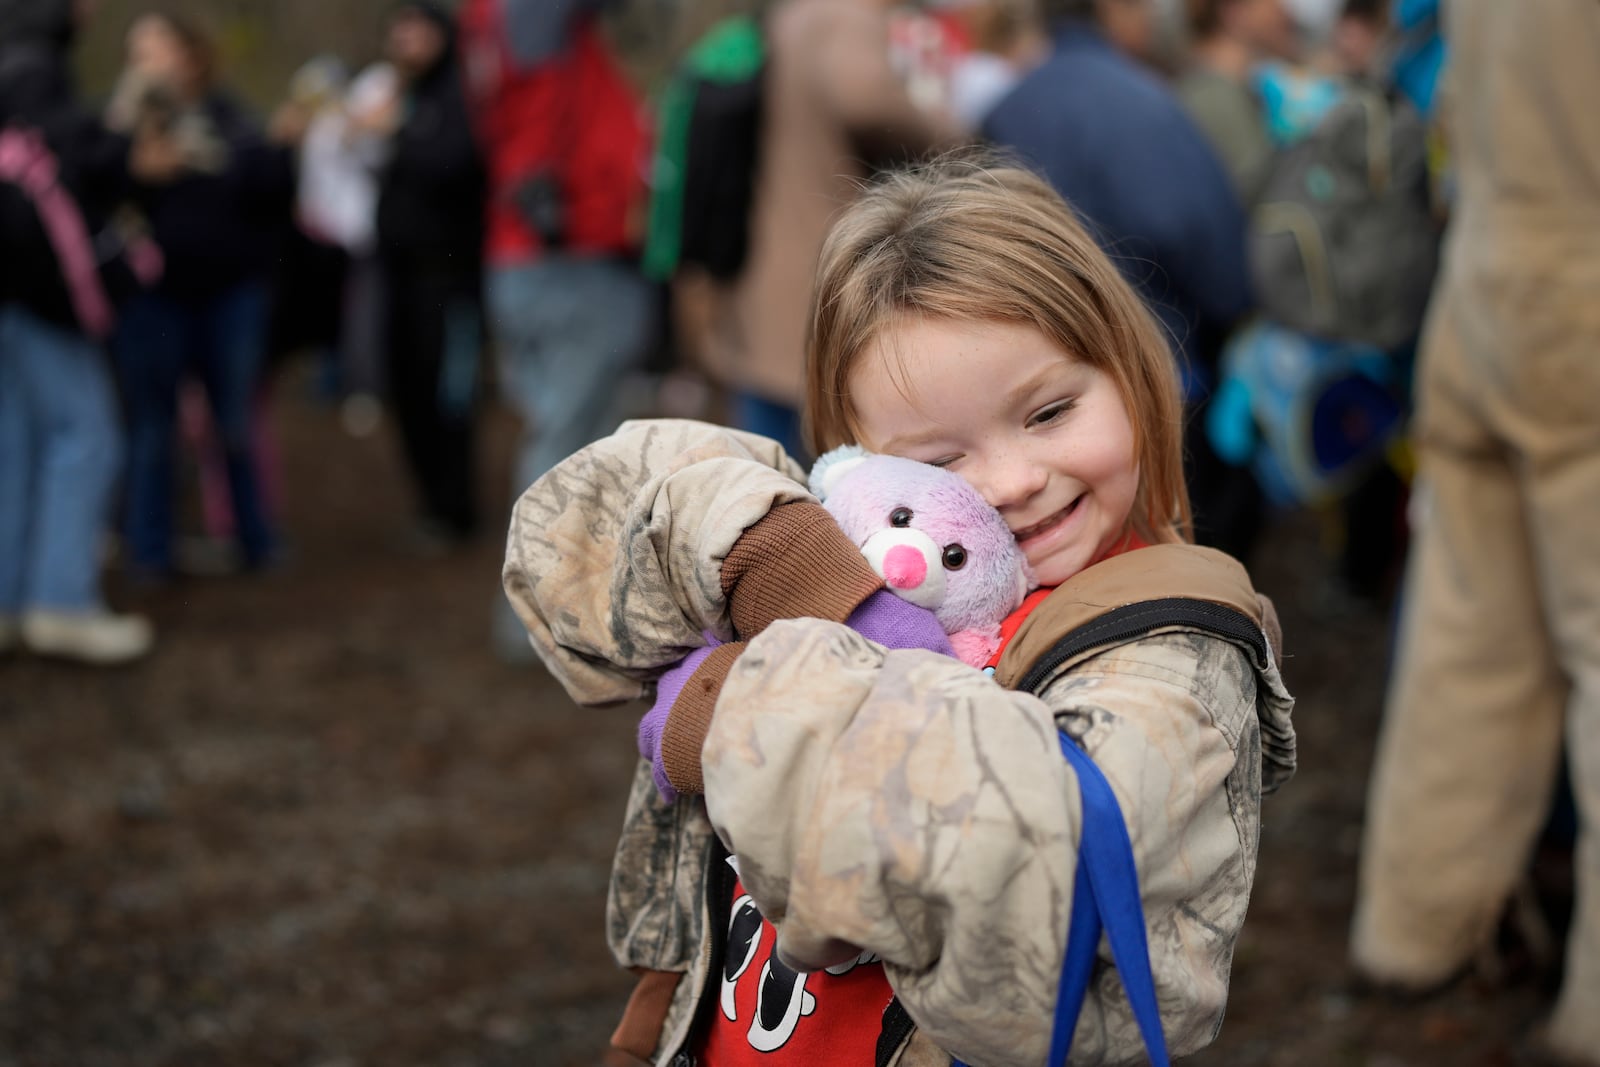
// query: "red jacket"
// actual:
[[575, 117]]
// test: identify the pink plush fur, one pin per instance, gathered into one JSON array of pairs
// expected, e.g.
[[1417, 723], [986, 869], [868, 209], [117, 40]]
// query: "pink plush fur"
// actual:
[[870, 495]]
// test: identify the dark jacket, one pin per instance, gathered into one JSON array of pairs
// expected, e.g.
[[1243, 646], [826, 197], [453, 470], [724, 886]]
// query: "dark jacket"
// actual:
[[37, 93], [431, 196], [1116, 143], [219, 229]]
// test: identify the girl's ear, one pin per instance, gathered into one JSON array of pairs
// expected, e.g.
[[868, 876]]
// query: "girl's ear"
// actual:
[[834, 465]]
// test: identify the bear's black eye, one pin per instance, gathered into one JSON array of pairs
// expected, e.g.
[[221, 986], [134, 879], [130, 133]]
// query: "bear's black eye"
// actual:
[[900, 517], [955, 557]]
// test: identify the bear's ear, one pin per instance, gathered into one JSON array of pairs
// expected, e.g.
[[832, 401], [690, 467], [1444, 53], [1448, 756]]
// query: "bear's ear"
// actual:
[[831, 466]]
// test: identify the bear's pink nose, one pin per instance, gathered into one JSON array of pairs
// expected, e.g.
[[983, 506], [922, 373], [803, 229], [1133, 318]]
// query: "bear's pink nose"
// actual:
[[904, 567]]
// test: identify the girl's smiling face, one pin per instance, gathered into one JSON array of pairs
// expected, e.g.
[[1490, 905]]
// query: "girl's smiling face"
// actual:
[[1043, 436]]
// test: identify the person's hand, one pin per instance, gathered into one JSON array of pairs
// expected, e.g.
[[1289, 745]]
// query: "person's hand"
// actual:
[[668, 687], [896, 623]]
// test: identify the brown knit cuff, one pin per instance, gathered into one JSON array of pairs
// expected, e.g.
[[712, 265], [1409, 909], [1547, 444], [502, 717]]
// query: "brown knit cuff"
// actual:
[[689, 721], [794, 564]]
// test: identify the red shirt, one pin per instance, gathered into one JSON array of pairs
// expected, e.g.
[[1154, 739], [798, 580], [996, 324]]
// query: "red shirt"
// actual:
[[770, 1016], [1013, 622]]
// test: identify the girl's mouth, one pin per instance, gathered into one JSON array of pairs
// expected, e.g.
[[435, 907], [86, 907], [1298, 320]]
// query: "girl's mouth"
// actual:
[[1028, 533]]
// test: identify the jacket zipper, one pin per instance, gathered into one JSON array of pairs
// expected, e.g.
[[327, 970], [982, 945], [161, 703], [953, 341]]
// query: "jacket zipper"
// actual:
[[718, 903]]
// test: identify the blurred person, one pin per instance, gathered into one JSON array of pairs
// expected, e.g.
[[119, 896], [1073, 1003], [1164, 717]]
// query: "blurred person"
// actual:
[[343, 135], [1159, 202], [1315, 18], [1008, 39], [430, 240], [1133, 27], [1228, 39], [1153, 191], [1355, 45], [61, 443], [309, 272], [565, 143], [217, 225], [1498, 658], [834, 110], [924, 44]]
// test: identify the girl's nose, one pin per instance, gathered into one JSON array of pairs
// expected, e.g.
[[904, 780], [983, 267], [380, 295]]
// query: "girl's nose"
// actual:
[[1009, 482], [904, 567]]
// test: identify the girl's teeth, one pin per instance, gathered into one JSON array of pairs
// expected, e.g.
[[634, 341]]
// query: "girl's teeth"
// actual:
[[1040, 527]]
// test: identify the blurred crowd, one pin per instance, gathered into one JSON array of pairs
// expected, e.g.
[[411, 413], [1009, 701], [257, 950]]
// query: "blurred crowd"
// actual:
[[462, 218], [1275, 176]]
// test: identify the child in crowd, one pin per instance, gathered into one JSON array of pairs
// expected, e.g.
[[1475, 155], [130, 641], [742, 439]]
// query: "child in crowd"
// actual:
[[903, 830]]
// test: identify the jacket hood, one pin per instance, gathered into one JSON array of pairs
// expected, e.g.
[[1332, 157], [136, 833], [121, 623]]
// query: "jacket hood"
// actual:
[[440, 17], [36, 22]]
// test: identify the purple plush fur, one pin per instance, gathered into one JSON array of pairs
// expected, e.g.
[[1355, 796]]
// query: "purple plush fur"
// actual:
[[863, 491]]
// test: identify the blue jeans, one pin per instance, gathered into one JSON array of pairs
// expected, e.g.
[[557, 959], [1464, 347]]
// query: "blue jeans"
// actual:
[[567, 329], [222, 341], [60, 455]]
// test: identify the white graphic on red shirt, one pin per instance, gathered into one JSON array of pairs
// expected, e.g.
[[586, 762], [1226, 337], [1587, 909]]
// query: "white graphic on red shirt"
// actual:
[[781, 997]]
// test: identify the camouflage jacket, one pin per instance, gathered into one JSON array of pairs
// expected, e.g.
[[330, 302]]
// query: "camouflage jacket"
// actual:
[[896, 801]]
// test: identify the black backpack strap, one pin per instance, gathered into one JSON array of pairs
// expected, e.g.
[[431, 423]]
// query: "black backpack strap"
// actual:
[[1132, 621]]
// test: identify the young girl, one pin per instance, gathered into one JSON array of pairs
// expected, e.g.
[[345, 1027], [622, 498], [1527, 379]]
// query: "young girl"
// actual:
[[900, 825]]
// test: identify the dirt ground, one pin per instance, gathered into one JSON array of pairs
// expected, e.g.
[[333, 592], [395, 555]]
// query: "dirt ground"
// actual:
[[323, 826]]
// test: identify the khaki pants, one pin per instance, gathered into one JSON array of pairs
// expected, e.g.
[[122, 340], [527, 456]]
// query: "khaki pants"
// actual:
[[1499, 653]]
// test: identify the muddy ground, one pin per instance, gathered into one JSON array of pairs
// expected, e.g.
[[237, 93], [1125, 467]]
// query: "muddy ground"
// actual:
[[324, 826]]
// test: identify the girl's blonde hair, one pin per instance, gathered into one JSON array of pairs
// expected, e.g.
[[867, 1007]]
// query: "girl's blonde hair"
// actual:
[[984, 239]]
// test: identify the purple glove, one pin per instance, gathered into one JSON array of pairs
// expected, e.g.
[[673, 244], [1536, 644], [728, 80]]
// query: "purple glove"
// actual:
[[668, 687], [882, 617], [895, 623]]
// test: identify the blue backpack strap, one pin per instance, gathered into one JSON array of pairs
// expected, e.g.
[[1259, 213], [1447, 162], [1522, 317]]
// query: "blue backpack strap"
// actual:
[[1083, 942], [1105, 897], [1107, 884]]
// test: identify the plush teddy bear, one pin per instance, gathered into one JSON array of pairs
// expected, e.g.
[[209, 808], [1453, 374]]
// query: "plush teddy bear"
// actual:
[[932, 537]]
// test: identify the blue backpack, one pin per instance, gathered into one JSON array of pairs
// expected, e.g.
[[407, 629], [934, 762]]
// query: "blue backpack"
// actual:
[[1308, 417]]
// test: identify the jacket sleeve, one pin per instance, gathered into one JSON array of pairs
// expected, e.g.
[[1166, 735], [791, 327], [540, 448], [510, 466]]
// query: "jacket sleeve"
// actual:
[[613, 559], [904, 804]]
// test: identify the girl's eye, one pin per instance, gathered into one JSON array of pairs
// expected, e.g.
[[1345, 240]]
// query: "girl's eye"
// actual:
[[900, 517], [1052, 413], [943, 461], [954, 558]]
